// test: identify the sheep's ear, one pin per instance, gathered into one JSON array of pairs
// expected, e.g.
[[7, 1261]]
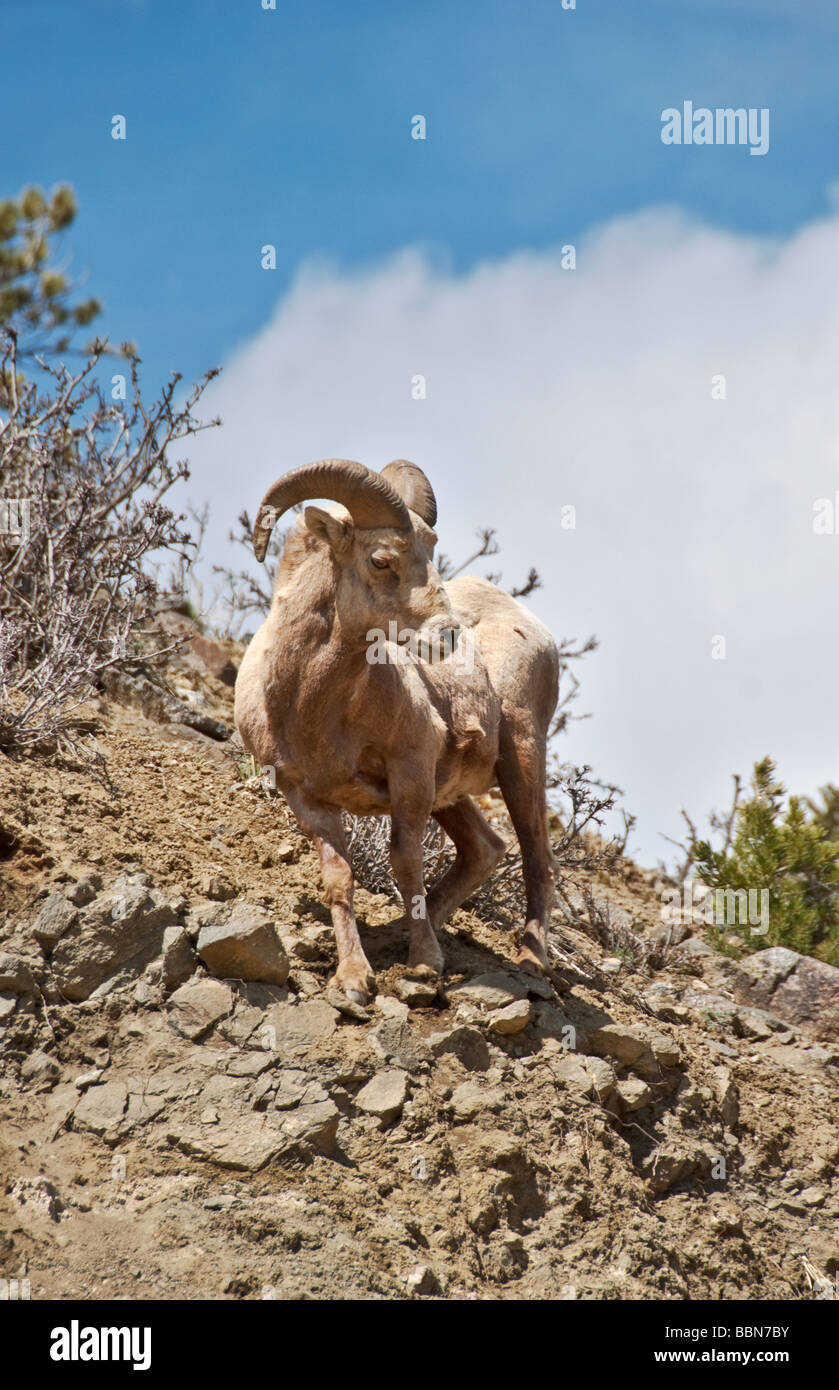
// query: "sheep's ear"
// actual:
[[336, 532], [426, 536]]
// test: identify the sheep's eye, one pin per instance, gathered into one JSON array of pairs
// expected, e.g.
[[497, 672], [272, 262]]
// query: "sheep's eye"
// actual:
[[380, 561]]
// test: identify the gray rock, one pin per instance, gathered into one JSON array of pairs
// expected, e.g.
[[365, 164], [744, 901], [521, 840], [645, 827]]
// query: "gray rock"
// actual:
[[392, 1008], [417, 994], [394, 1041], [251, 1064], [662, 999], [41, 1070], [666, 1050], [119, 933], [692, 949], [7, 1006], [422, 1280], [262, 996], [511, 1019], [101, 1108], [179, 958], [84, 890], [316, 1125], [216, 886], [467, 1044], [799, 1059], [294, 1029], [246, 947], [713, 1008], [493, 990], [570, 1072], [550, 1022], [16, 975], [628, 1043], [633, 1094], [740, 1020], [758, 1024], [384, 1096], [796, 988], [246, 1027], [603, 1078], [146, 994], [314, 1093], [206, 914], [586, 1076], [290, 1088], [142, 1107], [197, 1006], [634, 1045], [471, 1098], [56, 917], [812, 1196], [725, 1091], [673, 1162], [263, 1090], [346, 1006], [247, 1145], [88, 1078]]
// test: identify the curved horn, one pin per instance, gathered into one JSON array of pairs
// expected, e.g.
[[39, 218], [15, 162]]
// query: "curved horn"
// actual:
[[413, 487], [368, 497]]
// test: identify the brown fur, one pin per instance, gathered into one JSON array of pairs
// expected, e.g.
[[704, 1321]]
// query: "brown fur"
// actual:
[[414, 739]]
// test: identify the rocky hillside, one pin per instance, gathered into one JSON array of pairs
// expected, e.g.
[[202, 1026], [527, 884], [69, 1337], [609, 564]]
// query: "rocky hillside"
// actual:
[[187, 1110]]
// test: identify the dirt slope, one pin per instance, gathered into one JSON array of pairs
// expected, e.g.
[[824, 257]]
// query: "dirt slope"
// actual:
[[165, 1134]]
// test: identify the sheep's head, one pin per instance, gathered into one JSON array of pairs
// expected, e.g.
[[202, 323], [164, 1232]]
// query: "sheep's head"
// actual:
[[382, 540]]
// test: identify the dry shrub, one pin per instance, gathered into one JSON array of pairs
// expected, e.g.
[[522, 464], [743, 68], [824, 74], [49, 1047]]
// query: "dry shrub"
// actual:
[[82, 482]]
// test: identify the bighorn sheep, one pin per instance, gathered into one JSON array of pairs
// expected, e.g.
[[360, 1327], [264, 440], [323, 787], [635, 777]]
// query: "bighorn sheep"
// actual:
[[407, 736]]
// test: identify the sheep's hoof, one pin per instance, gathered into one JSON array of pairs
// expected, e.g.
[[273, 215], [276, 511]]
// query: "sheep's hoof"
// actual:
[[532, 958], [425, 961], [356, 980]]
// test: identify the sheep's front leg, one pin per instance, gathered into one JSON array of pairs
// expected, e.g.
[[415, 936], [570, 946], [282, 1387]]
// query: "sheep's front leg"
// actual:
[[354, 975], [410, 807]]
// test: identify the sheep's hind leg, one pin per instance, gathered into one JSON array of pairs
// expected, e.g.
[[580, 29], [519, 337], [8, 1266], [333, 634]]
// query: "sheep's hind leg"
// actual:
[[478, 850], [521, 777]]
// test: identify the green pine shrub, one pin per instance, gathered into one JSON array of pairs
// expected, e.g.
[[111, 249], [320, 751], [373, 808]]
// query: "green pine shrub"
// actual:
[[787, 852]]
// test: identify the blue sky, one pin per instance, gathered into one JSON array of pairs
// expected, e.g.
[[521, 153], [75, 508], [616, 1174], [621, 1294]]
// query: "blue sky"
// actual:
[[545, 389], [293, 127]]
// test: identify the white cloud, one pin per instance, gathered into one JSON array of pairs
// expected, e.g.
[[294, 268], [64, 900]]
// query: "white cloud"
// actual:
[[593, 388]]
